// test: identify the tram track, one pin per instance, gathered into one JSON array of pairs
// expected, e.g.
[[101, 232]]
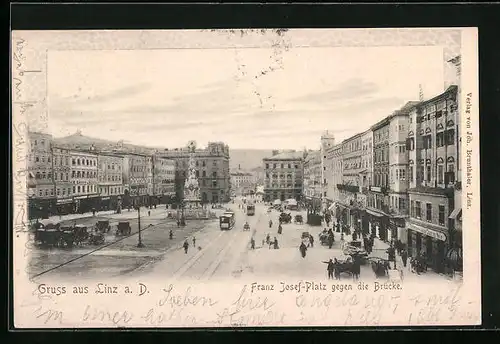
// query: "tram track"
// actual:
[[215, 253]]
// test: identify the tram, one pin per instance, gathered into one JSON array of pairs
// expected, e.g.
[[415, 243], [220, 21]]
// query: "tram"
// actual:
[[227, 221]]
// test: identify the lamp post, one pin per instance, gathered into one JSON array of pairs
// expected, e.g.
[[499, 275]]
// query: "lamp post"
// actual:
[[139, 244]]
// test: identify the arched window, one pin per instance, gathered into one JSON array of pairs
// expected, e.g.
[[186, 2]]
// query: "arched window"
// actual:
[[37, 176]]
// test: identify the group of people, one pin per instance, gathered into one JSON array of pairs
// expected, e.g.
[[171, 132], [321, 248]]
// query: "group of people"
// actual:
[[334, 268]]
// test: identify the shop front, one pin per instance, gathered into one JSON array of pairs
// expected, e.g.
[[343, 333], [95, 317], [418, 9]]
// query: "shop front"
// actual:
[[428, 243], [86, 204], [65, 206], [378, 224], [41, 208], [397, 229], [105, 203]]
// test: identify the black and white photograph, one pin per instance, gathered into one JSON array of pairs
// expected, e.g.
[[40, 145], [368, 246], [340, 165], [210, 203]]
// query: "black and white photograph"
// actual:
[[245, 177]]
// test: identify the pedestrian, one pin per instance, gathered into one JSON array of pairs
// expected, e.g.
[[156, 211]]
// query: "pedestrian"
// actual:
[[356, 268], [391, 253], [280, 229], [336, 269], [252, 243], [268, 238], [275, 243], [194, 241], [171, 235], [303, 249], [186, 246], [330, 268], [311, 240], [331, 239], [404, 257], [149, 212]]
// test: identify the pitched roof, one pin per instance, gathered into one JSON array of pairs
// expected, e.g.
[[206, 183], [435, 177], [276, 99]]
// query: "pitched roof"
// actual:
[[286, 156]]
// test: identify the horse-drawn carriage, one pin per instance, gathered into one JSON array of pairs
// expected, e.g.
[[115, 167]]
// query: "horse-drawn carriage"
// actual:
[[123, 228], [61, 236], [354, 250], [285, 218], [325, 237], [299, 219], [103, 226], [380, 266]]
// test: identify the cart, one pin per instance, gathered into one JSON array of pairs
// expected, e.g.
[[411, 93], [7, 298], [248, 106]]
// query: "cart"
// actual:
[[103, 226], [123, 228]]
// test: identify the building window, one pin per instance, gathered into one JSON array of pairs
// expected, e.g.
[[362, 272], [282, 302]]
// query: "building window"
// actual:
[[274, 165], [450, 137], [428, 212], [203, 174], [214, 174], [440, 174], [79, 190], [58, 192], [441, 215], [440, 139], [429, 175], [418, 213], [427, 142], [267, 166]]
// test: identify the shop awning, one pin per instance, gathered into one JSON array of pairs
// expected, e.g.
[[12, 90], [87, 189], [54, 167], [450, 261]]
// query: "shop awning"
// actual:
[[456, 213], [427, 231], [331, 207]]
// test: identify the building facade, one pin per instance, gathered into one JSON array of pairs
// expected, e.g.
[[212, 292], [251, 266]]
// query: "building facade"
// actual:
[[137, 179], [213, 174], [61, 167], [377, 197], [163, 179], [84, 180], [284, 176], [327, 142], [110, 181], [40, 182], [336, 178], [349, 188], [312, 180], [433, 144], [398, 173], [242, 182]]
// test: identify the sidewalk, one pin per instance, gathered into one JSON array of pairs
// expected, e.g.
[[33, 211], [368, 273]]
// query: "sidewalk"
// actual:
[[109, 213]]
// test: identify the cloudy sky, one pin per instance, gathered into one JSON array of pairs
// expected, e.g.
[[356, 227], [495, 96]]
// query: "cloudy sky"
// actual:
[[249, 98]]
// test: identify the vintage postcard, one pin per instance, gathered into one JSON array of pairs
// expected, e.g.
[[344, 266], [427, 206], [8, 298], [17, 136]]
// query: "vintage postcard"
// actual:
[[245, 178]]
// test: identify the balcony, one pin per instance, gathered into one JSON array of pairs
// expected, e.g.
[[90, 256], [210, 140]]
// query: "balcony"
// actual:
[[380, 189], [348, 188]]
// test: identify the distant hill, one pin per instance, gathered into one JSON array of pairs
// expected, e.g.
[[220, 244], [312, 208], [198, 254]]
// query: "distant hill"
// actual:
[[247, 159]]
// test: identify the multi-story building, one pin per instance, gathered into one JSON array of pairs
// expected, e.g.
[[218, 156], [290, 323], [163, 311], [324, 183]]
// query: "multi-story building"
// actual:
[[242, 182], [61, 167], [327, 142], [398, 173], [433, 144], [284, 175], [137, 179], [312, 180], [378, 199], [84, 180], [163, 179], [335, 154], [350, 187], [40, 183], [365, 176], [212, 165], [110, 180]]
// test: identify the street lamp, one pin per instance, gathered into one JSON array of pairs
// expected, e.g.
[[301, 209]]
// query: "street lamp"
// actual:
[[139, 244]]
